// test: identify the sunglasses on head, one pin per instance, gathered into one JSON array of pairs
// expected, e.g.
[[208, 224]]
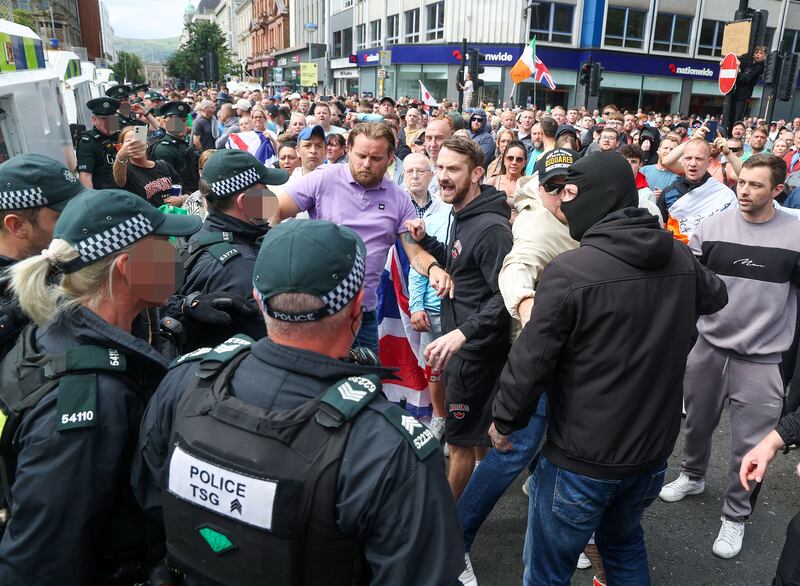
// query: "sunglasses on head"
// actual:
[[552, 188]]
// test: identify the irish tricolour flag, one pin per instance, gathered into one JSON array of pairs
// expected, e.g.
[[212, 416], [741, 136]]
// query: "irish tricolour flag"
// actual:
[[530, 65]]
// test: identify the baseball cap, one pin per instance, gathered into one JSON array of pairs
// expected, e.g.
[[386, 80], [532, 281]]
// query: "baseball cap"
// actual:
[[310, 131], [243, 104], [232, 171], [555, 163], [387, 99], [36, 181], [100, 223], [294, 96], [315, 257], [566, 129]]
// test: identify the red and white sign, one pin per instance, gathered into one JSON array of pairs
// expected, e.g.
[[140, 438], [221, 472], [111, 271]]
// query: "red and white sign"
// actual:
[[727, 73]]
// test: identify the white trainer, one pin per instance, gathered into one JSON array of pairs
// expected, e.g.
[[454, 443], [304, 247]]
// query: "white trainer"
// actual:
[[681, 487], [584, 562], [467, 577], [729, 541], [437, 427]]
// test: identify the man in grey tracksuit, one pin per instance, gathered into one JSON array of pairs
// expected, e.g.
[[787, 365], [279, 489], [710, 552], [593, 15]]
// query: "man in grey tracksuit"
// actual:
[[755, 249]]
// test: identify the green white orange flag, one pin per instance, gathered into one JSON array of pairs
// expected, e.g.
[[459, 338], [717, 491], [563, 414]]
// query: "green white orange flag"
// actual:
[[525, 67]]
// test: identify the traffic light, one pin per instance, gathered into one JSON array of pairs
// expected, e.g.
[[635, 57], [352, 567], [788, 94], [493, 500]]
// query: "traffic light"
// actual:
[[772, 67], [787, 78], [475, 67], [595, 77], [586, 72], [758, 28]]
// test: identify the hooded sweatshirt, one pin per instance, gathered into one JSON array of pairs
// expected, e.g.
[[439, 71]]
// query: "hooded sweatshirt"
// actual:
[[608, 341], [483, 137], [478, 240]]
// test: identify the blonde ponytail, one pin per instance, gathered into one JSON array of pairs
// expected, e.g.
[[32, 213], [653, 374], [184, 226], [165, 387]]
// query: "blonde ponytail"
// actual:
[[40, 298]]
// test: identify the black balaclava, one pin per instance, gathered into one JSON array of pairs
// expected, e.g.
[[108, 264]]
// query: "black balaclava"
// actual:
[[605, 184]]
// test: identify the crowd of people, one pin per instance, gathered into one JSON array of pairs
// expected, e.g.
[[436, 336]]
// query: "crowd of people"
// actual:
[[192, 367]]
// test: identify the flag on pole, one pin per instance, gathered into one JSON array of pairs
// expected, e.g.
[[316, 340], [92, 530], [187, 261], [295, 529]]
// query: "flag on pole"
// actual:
[[530, 65], [427, 98]]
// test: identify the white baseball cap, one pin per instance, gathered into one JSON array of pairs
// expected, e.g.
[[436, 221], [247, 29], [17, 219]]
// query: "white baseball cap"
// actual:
[[295, 96], [243, 105]]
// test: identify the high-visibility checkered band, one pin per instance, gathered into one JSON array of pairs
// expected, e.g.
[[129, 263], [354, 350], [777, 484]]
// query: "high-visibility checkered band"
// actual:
[[116, 238], [21, 199], [347, 289], [235, 184]]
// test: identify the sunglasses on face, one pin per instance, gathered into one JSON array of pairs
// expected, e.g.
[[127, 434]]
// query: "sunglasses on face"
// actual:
[[552, 188], [475, 120], [735, 150], [511, 159]]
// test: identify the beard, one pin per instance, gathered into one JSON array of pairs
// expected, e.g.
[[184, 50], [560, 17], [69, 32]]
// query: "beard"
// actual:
[[367, 178], [452, 192], [538, 144]]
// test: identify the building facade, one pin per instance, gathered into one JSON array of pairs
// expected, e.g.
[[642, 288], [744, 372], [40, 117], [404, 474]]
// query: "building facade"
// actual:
[[244, 44], [658, 54], [55, 19], [270, 33]]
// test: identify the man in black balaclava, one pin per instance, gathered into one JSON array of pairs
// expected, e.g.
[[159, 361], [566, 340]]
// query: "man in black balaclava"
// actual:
[[608, 342]]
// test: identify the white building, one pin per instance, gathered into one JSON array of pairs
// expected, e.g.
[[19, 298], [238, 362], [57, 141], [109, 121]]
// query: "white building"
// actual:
[[107, 36], [243, 14]]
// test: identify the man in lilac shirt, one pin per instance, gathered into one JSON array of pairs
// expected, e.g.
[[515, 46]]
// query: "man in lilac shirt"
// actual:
[[358, 195]]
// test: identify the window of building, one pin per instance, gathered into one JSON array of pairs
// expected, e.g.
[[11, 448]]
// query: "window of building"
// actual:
[[348, 3], [435, 21], [337, 45], [672, 32], [393, 29], [412, 26], [552, 22], [375, 33], [347, 42], [361, 37], [792, 38], [768, 37], [710, 42], [625, 27]]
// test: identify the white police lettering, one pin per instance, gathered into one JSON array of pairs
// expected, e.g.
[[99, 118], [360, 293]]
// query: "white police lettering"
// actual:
[[231, 344], [222, 491], [422, 439], [227, 255], [113, 357], [194, 353], [292, 317], [363, 382]]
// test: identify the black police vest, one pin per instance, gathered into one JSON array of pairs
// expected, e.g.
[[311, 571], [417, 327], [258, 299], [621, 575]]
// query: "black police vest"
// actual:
[[249, 495]]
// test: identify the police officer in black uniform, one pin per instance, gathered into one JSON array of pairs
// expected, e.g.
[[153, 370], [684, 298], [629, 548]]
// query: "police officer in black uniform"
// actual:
[[96, 151], [278, 462], [222, 254], [173, 147], [33, 192], [130, 114], [153, 102], [73, 390]]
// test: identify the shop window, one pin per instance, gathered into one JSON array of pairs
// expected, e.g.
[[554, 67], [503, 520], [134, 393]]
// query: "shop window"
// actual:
[[375, 33], [552, 22], [672, 32], [710, 42], [412, 26], [435, 21], [393, 29], [625, 27], [361, 37]]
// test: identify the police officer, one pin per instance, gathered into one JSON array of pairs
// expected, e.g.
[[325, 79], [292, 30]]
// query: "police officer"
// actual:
[[276, 462], [153, 101], [130, 114], [96, 151], [74, 388], [222, 254], [173, 147], [33, 191]]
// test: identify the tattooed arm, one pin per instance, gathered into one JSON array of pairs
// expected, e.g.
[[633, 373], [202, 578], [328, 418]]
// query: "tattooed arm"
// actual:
[[421, 261]]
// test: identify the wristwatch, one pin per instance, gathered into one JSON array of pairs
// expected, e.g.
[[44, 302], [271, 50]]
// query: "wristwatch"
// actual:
[[433, 264]]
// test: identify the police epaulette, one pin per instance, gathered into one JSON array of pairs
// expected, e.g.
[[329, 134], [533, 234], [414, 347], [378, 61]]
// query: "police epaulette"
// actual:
[[223, 252], [421, 439], [224, 352], [190, 357], [349, 396]]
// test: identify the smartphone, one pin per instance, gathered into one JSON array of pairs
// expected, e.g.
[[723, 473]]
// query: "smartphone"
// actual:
[[140, 133], [712, 126]]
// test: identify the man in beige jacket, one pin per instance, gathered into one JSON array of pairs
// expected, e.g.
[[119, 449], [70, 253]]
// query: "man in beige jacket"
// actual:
[[540, 234]]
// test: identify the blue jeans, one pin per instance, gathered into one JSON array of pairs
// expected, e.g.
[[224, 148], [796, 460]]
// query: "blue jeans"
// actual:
[[496, 472], [565, 508], [368, 333]]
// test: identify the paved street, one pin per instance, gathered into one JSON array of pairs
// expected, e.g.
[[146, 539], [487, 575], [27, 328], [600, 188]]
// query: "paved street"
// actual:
[[679, 535]]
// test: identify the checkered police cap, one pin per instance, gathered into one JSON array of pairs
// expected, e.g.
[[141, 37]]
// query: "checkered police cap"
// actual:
[[20, 199], [113, 239], [347, 289], [235, 184]]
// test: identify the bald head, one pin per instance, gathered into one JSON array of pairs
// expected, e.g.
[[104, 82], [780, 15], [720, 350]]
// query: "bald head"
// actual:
[[436, 133]]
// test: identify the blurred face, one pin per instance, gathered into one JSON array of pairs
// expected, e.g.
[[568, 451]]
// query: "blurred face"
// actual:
[[737, 131], [502, 142], [759, 56], [796, 123], [695, 159], [334, 151], [526, 120], [797, 139], [436, 133], [323, 115], [558, 115], [587, 122], [258, 202], [369, 160], [303, 106], [572, 116], [551, 193], [507, 120], [413, 119], [515, 160], [311, 152], [608, 141], [417, 175], [615, 125], [780, 147], [629, 122], [259, 120], [668, 120], [635, 164], [152, 269], [107, 125], [455, 177], [735, 145], [754, 190], [475, 123], [296, 125], [386, 108], [288, 159], [758, 139], [665, 147], [245, 125]]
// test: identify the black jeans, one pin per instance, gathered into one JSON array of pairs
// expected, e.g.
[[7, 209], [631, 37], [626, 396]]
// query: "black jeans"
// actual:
[[789, 564]]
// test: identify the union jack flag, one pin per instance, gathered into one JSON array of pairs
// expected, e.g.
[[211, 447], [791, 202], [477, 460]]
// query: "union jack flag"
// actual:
[[542, 74]]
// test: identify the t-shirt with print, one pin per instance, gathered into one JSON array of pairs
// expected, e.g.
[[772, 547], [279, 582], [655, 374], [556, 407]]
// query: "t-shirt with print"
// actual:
[[152, 184]]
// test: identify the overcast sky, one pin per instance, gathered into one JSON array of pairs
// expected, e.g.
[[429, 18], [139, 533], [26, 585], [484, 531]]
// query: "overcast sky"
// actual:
[[146, 19]]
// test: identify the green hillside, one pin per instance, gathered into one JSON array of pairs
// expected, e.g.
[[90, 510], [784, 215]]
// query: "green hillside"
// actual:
[[150, 50]]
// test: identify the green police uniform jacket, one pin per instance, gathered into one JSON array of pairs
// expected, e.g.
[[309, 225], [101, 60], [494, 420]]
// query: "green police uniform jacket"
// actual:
[[180, 155], [96, 153]]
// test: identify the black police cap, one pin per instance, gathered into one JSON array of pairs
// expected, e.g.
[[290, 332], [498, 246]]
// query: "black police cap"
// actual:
[[103, 106], [119, 91], [180, 109]]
